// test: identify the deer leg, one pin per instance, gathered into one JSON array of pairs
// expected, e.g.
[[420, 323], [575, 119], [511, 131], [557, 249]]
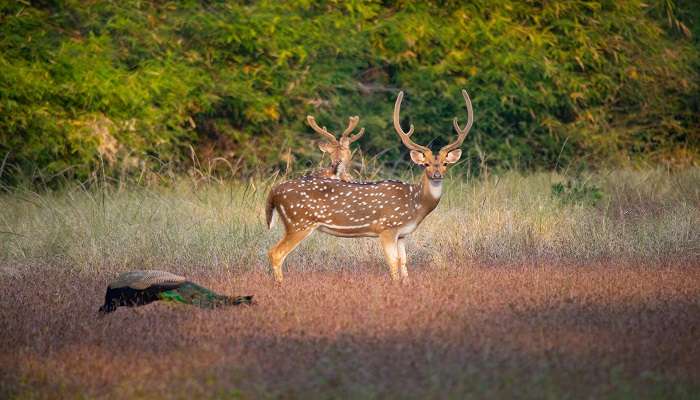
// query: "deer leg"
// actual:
[[401, 247], [279, 252], [388, 240]]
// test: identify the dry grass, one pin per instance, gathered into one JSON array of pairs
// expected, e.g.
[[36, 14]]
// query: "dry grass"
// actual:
[[525, 331], [512, 295], [643, 216]]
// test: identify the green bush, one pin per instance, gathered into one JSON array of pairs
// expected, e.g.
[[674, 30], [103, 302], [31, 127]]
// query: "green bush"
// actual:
[[577, 191], [131, 84]]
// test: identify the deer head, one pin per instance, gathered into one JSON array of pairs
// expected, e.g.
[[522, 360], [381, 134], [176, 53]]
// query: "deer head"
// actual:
[[338, 150], [435, 166]]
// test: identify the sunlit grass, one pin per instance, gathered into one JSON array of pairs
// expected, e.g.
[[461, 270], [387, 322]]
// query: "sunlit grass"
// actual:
[[648, 216]]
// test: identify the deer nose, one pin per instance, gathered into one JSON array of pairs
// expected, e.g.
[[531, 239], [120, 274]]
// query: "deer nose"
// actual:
[[437, 175]]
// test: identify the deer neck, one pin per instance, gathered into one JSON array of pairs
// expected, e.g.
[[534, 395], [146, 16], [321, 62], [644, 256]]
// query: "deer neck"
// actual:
[[430, 194]]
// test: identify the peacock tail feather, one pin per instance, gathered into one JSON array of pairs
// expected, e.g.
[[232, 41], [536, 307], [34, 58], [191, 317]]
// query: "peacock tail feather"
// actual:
[[172, 296], [191, 293]]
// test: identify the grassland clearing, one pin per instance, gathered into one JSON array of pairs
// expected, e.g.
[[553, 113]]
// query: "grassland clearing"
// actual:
[[514, 292]]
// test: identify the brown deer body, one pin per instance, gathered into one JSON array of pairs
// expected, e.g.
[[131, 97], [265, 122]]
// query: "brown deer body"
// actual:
[[338, 150], [390, 210]]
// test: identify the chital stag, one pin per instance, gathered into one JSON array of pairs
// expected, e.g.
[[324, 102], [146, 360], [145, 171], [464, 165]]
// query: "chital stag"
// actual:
[[338, 150], [390, 210]]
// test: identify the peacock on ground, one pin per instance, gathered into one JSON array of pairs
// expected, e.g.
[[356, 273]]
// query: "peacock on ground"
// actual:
[[137, 288]]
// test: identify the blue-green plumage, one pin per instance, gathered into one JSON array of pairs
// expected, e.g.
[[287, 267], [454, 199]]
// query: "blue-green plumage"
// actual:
[[191, 293]]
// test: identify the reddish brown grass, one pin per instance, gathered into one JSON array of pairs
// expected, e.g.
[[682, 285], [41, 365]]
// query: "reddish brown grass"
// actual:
[[473, 331]]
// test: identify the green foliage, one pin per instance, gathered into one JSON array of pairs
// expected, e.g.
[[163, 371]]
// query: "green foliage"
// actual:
[[129, 84], [577, 191]]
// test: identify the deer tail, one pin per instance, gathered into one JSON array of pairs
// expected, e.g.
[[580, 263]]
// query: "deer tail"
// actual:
[[270, 210]]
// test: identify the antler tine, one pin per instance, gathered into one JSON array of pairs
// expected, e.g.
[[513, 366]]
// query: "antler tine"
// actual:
[[322, 131], [358, 135], [405, 137], [461, 133], [352, 124]]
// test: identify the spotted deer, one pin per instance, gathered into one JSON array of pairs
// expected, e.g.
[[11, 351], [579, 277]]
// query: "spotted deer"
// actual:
[[338, 150], [390, 210]]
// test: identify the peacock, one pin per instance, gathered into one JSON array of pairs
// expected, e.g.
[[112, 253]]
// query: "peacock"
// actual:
[[138, 288]]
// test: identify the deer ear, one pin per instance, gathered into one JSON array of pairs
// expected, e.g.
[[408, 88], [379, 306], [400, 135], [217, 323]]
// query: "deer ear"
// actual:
[[325, 147], [453, 156], [417, 157]]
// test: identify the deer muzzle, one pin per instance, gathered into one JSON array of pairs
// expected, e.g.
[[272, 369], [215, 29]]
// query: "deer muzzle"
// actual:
[[436, 176]]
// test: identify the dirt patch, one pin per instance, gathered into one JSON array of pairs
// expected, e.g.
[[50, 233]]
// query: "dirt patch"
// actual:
[[526, 331]]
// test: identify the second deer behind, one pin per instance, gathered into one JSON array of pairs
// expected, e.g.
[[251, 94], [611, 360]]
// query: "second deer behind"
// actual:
[[338, 150]]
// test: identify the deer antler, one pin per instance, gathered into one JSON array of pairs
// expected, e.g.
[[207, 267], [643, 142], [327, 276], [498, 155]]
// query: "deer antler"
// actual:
[[352, 124], [461, 133], [405, 137], [322, 131], [358, 135]]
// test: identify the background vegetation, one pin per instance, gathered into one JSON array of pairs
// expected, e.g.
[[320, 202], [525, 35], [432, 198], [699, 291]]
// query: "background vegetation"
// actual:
[[135, 85]]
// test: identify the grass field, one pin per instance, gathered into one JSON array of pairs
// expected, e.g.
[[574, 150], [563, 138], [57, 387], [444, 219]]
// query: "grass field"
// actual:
[[515, 292]]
